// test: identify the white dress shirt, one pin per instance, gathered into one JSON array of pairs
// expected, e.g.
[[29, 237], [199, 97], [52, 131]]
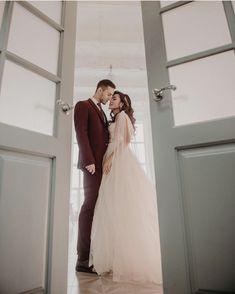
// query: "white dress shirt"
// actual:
[[95, 101]]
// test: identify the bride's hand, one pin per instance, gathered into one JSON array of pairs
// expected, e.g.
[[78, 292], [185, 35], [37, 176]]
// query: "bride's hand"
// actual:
[[107, 165]]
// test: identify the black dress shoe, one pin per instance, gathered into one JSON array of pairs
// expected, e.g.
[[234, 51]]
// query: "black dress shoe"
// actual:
[[85, 269], [83, 266]]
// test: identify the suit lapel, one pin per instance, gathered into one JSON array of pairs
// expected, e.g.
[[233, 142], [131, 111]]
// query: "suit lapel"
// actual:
[[98, 112], [104, 117]]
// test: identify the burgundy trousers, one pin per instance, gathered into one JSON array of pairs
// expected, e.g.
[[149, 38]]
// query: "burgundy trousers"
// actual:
[[91, 189]]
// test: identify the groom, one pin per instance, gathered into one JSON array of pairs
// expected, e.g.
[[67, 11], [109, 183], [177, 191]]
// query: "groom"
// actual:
[[91, 128]]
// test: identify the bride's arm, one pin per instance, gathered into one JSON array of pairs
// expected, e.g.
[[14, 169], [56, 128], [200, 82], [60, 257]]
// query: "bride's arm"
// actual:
[[108, 164]]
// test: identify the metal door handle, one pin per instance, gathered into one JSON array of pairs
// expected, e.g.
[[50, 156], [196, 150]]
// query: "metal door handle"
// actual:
[[65, 107], [158, 94]]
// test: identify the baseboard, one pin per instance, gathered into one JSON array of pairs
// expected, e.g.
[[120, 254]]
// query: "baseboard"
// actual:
[[203, 291], [39, 290]]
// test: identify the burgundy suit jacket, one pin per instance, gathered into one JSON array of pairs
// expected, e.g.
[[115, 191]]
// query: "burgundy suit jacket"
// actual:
[[91, 132]]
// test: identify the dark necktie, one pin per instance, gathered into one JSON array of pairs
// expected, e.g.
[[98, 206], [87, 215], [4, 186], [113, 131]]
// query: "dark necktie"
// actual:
[[102, 112]]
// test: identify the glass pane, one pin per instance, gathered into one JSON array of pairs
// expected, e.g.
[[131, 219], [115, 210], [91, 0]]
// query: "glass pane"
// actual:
[[195, 27], [139, 132], [75, 154], [233, 2], [27, 100], [50, 8], [2, 4], [75, 178], [139, 151], [33, 39], [205, 90], [166, 3]]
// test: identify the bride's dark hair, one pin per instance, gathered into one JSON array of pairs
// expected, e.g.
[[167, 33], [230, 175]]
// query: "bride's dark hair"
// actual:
[[126, 106]]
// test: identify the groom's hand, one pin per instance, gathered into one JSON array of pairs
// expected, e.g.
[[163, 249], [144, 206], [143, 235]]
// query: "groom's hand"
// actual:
[[91, 168]]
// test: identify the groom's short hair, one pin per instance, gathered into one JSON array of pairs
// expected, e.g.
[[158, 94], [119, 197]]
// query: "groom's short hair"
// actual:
[[105, 83]]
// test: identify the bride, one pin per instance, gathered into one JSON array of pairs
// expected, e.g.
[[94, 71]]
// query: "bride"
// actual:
[[125, 236]]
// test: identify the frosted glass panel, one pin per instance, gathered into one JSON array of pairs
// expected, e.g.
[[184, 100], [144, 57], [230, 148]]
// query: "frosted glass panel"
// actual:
[[27, 100], [75, 154], [139, 151], [2, 4], [195, 27], [50, 8], [75, 177], [33, 39], [139, 132], [205, 89], [166, 3]]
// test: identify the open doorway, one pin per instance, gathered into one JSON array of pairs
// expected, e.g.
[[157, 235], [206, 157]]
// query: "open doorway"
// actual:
[[109, 46]]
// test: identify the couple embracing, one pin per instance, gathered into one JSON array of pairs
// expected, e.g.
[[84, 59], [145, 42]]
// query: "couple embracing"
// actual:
[[117, 226]]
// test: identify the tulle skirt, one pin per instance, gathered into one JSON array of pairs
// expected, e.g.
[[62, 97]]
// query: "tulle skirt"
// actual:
[[125, 235]]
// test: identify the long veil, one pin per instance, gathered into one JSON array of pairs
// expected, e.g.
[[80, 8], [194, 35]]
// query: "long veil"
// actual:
[[123, 133]]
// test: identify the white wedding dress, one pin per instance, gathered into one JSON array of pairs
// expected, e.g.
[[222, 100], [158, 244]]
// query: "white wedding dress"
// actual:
[[125, 235]]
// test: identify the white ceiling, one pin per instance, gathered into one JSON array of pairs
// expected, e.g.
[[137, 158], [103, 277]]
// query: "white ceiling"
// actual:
[[110, 33], [113, 21]]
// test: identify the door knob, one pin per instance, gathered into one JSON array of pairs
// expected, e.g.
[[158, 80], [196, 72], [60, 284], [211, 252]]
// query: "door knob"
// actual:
[[65, 107], [158, 93]]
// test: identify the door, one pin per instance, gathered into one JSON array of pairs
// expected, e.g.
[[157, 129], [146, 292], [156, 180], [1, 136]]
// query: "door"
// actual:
[[190, 45], [37, 46]]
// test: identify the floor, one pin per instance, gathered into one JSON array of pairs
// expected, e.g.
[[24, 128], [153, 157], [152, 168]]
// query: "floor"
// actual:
[[91, 284], [83, 283]]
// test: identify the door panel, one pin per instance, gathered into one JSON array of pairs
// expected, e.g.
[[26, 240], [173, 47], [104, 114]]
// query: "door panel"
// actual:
[[182, 24], [32, 42], [25, 190], [53, 9], [35, 145], [36, 102], [193, 145], [209, 202], [207, 96]]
